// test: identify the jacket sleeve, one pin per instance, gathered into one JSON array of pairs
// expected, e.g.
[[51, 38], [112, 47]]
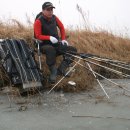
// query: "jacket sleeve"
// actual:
[[61, 27], [38, 31]]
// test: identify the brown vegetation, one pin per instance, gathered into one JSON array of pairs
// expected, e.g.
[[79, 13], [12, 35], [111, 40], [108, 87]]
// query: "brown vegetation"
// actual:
[[99, 43]]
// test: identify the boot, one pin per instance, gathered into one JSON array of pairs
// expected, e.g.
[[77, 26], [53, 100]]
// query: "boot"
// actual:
[[53, 74], [62, 69]]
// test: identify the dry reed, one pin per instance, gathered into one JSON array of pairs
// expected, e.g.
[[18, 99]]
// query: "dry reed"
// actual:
[[100, 43]]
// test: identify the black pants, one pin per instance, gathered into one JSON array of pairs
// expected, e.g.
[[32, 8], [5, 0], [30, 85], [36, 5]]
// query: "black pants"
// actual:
[[52, 52]]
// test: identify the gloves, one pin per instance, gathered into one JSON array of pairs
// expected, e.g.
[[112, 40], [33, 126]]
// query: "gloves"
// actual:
[[53, 40], [64, 43]]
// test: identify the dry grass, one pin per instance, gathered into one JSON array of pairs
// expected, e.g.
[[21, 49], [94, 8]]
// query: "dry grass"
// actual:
[[99, 43], [102, 44]]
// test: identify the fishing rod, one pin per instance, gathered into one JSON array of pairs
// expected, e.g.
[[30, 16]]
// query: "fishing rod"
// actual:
[[97, 80], [110, 63], [84, 58], [64, 76], [103, 77], [99, 58]]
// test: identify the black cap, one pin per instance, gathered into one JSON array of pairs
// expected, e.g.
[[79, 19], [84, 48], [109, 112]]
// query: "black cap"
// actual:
[[47, 5]]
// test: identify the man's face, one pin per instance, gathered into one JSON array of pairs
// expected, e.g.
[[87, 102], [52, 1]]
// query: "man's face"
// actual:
[[48, 12]]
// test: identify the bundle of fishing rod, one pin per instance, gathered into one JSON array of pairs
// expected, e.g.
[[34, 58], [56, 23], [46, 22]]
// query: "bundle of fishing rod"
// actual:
[[121, 69]]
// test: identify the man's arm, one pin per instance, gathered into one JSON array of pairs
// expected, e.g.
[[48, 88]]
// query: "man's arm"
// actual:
[[38, 31], [61, 27]]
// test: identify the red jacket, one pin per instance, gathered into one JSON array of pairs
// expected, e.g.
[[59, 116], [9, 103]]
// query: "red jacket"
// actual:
[[39, 32]]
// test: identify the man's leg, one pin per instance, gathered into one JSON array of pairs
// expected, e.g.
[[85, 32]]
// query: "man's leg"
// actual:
[[67, 59], [50, 61]]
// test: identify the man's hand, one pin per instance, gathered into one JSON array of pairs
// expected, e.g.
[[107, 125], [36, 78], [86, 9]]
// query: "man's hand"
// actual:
[[64, 43], [53, 40]]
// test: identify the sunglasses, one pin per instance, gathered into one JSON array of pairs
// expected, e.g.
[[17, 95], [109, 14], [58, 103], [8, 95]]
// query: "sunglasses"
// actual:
[[49, 9]]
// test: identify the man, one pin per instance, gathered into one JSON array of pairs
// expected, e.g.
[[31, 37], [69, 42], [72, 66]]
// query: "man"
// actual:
[[45, 29]]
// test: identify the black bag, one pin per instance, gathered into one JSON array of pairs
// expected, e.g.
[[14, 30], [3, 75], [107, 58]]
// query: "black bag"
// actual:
[[18, 61]]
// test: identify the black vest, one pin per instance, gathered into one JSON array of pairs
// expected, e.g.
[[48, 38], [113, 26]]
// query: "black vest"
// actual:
[[49, 27]]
